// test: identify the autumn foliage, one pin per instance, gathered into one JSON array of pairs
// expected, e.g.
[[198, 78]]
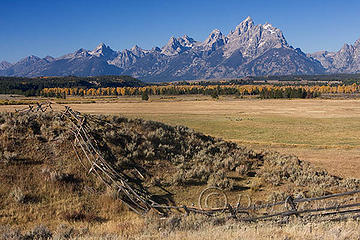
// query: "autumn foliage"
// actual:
[[264, 91]]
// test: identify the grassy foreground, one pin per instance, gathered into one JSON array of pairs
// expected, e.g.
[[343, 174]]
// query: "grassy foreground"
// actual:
[[320, 131], [193, 229]]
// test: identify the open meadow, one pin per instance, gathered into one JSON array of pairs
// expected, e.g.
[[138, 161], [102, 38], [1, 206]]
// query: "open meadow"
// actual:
[[322, 131]]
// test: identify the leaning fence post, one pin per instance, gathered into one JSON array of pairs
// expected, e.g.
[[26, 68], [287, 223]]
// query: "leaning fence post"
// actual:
[[291, 205], [232, 211], [186, 210]]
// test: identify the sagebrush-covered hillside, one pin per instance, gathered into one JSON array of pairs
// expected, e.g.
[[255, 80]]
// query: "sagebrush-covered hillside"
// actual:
[[42, 180]]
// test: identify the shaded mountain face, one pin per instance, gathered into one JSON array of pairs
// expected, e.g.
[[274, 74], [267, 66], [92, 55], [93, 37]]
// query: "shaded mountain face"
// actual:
[[5, 65], [25, 67], [346, 60], [79, 63], [247, 50]]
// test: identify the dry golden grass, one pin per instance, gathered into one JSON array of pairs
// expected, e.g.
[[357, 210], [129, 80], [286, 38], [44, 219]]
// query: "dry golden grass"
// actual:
[[134, 229], [324, 132], [312, 108], [266, 231]]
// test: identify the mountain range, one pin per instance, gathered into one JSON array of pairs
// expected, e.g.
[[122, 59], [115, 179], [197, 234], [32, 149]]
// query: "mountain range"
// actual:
[[248, 50]]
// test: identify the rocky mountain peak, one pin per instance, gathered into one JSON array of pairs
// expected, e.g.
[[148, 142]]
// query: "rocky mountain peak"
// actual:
[[81, 50], [137, 51], [346, 60], [248, 19], [49, 58], [214, 40], [173, 47], [186, 41], [254, 40], [135, 48], [102, 50], [346, 46], [100, 47], [215, 34], [30, 59], [269, 27], [80, 53], [244, 26], [357, 43]]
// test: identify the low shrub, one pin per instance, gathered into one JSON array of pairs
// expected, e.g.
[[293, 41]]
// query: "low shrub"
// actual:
[[40, 232], [18, 195]]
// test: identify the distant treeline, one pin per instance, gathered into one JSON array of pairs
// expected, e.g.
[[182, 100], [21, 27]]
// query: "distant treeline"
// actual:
[[344, 78], [262, 91], [288, 92], [264, 87], [34, 86], [312, 80]]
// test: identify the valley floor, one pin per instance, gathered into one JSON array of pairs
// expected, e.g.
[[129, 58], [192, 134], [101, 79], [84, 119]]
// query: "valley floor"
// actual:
[[322, 131]]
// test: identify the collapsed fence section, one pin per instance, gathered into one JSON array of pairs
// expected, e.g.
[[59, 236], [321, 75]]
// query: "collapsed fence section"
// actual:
[[133, 195]]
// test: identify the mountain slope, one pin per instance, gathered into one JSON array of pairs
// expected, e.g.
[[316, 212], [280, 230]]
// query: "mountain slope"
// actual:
[[79, 63], [346, 60], [5, 65], [275, 59], [247, 50]]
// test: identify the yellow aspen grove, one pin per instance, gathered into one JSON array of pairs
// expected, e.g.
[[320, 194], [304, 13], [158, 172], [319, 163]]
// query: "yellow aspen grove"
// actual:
[[118, 91], [123, 91], [172, 89]]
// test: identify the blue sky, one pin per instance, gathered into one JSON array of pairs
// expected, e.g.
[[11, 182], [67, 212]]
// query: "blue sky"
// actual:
[[49, 27]]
